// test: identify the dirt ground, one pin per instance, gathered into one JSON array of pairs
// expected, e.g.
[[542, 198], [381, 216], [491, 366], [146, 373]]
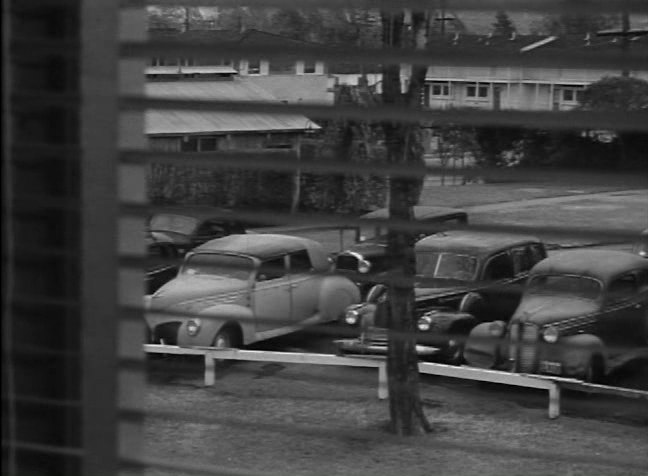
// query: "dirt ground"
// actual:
[[315, 420]]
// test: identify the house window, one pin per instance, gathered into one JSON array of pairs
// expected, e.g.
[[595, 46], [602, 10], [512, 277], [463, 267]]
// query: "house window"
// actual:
[[309, 67], [572, 95], [189, 144], [254, 67], [208, 144], [278, 141], [477, 91], [281, 67], [440, 90]]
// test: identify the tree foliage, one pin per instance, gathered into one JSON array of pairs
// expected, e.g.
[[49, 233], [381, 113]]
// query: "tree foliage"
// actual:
[[503, 25], [616, 93], [576, 24]]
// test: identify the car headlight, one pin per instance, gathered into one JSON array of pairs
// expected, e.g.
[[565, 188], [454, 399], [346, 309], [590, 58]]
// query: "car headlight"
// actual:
[[550, 334], [364, 266], [352, 314], [496, 329], [193, 327], [424, 323]]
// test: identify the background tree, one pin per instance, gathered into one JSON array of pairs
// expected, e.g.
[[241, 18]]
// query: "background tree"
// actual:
[[619, 94], [503, 25], [576, 24], [404, 146]]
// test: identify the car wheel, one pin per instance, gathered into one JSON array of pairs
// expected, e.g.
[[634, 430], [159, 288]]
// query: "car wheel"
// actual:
[[455, 354], [594, 371], [225, 339]]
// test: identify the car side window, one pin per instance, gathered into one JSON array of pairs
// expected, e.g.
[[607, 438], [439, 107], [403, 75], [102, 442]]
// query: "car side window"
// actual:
[[300, 262], [538, 252], [642, 280], [498, 267], [522, 259], [622, 288], [211, 228], [273, 268]]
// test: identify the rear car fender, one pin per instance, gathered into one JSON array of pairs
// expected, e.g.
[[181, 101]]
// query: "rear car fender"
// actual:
[[483, 349], [336, 294], [213, 319], [578, 350]]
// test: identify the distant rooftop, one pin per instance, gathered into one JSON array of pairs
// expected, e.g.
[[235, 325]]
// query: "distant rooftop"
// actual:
[[174, 122]]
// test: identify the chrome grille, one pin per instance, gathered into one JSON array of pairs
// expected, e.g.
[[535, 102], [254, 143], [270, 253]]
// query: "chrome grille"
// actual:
[[528, 347]]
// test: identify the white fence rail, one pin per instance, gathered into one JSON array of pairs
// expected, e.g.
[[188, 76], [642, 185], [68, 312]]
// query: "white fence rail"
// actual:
[[552, 384]]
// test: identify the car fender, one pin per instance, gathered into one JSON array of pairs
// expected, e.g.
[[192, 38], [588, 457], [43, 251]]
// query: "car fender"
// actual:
[[482, 349], [336, 294], [470, 302], [213, 319], [577, 350], [375, 292]]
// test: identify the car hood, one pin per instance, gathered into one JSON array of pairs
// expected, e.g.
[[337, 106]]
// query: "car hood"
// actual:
[[171, 237], [367, 249], [433, 287], [543, 310], [186, 288]]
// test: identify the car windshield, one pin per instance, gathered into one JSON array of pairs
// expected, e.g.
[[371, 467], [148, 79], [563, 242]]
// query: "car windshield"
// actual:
[[446, 266], [574, 286], [173, 223], [218, 265]]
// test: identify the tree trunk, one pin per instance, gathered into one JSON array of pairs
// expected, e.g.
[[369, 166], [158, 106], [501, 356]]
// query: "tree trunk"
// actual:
[[404, 145], [296, 195]]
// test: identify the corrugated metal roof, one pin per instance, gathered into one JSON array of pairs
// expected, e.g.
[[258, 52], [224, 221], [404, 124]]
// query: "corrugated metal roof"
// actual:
[[311, 89], [190, 70], [158, 122]]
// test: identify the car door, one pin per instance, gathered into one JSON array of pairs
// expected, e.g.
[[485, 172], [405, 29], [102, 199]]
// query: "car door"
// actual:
[[304, 284], [621, 313], [498, 278], [271, 297]]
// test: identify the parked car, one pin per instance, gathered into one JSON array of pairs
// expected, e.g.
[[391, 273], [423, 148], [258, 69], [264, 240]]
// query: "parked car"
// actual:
[[463, 278], [240, 289], [583, 314], [641, 245], [188, 227], [365, 261], [164, 261]]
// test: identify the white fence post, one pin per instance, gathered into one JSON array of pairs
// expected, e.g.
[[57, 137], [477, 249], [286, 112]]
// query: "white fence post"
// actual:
[[383, 389], [210, 370], [554, 400]]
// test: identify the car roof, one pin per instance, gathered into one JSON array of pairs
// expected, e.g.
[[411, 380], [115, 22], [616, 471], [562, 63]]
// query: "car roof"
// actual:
[[267, 245], [421, 212], [200, 212], [600, 264], [475, 242]]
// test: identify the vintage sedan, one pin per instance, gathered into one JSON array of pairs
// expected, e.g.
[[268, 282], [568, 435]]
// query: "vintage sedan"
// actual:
[[463, 278], [163, 261], [240, 289], [641, 245], [188, 227], [367, 260], [583, 314]]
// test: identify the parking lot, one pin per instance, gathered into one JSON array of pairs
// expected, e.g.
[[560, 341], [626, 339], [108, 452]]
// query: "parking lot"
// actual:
[[256, 410]]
